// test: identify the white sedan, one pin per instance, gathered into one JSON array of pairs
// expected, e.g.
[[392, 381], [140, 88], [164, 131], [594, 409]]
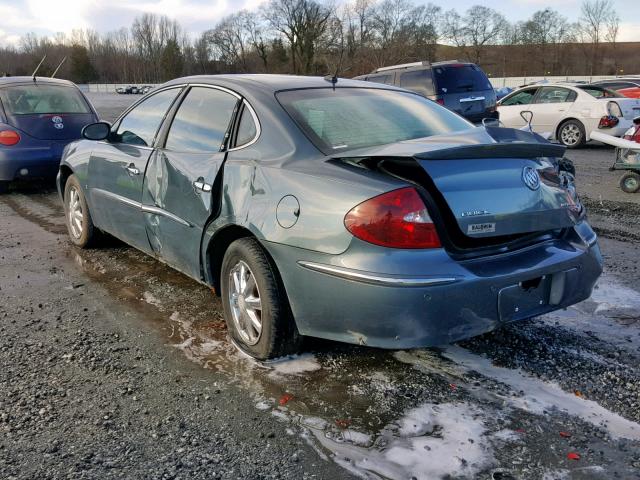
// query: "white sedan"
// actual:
[[569, 113]]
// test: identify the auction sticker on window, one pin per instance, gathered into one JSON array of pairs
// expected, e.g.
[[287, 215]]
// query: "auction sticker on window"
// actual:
[[476, 228]]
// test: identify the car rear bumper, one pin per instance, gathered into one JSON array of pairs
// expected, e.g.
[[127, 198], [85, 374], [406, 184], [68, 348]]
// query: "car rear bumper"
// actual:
[[426, 298], [617, 131], [30, 162]]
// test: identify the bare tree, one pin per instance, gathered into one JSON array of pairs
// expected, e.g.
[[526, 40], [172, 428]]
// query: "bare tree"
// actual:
[[611, 36], [544, 31], [594, 17], [303, 23]]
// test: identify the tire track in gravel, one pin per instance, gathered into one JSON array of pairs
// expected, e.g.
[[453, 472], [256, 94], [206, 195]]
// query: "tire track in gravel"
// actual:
[[37, 209]]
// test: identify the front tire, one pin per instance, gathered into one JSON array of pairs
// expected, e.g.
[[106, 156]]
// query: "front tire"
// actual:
[[78, 219], [256, 308], [571, 134], [630, 182]]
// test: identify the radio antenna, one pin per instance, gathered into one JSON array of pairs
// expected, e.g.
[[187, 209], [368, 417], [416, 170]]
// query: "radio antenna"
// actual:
[[38, 67], [59, 65]]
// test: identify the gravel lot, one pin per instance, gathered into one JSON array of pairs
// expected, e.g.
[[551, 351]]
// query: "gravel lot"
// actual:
[[115, 366]]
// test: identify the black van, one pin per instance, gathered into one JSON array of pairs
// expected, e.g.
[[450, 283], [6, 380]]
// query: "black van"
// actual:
[[459, 86]]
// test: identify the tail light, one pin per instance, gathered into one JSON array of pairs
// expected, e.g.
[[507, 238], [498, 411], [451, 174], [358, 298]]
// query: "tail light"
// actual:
[[608, 121], [9, 137], [633, 134], [397, 219], [440, 101]]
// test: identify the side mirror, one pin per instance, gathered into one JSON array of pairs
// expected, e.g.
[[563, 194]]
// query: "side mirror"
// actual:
[[97, 131]]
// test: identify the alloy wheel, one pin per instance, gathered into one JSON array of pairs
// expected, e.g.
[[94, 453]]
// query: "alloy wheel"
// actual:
[[246, 306], [76, 216], [631, 184], [570, 134]]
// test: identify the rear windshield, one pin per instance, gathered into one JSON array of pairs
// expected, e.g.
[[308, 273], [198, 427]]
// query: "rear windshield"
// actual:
[[347, 118], [40, 98], [600, 92], [460, 79]]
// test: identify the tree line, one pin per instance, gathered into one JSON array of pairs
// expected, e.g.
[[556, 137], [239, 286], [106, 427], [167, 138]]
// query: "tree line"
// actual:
[[316, 37]]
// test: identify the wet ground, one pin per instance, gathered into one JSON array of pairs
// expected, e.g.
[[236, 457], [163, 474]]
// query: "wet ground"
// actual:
[[129, 341]]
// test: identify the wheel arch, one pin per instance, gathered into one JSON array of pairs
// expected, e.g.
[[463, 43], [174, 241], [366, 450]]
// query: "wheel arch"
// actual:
[[216, 247], [63, 175]]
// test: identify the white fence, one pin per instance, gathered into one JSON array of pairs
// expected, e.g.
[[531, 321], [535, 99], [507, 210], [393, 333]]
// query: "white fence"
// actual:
[[108, 87], [514, 82], [497, 82]]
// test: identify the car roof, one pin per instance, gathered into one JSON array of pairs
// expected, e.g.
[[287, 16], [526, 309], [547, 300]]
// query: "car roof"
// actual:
[[272, 83], [4, 81]]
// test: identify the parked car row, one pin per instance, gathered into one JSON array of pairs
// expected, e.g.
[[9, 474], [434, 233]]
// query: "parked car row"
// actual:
[[570, 112], [134, 89], [353, 211]]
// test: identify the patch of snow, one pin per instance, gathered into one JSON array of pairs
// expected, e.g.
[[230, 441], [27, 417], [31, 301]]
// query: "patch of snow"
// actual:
[[263, 405], [295, 365], [537, 395], [613, 296], [151, 300], [453, 443]]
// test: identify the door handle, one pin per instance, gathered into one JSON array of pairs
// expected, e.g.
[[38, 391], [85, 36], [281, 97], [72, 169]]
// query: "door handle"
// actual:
[[201, 186], [132, 170]]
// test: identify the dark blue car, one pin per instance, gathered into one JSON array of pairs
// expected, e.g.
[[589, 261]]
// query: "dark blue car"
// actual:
[[38, 118]]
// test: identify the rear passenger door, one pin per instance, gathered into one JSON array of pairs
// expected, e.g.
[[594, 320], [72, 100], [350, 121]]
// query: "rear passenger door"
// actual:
[[180, 189], [550, 107]]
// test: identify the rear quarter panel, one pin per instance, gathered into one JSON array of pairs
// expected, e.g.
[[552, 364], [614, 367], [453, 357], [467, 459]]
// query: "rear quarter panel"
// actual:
[[251, 196]]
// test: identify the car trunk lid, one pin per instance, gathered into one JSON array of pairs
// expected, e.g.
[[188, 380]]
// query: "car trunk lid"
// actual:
[[493, 182], [52, 126]]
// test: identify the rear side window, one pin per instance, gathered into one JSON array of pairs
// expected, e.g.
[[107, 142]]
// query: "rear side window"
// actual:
[[523, 97], [599, 92], [39, 99], [460, 78], [140, 125], [247, 129], [202, 121], [419, 81], [556, 95], [386, 79]]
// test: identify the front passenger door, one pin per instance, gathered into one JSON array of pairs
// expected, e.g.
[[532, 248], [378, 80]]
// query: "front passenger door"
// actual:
[[511, 106], [179, 191], [117, 166]]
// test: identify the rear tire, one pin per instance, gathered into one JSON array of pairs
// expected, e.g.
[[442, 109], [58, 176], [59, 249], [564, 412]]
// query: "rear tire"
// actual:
[[78, 218], [630, 182], [256, 307], [571, 134]]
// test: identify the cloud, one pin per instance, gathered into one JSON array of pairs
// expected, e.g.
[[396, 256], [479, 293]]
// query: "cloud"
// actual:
[[629, 32], [47, 17]]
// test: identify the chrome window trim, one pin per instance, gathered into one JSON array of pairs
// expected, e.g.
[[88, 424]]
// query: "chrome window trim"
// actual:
[[257, 124], [376, 278]]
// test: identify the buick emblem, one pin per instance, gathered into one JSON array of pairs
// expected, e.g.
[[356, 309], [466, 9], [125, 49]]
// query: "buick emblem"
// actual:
[[56, 119], [531, 178]]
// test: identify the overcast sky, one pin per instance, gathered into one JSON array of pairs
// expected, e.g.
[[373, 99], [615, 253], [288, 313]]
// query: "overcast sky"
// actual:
[[46, 17]]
